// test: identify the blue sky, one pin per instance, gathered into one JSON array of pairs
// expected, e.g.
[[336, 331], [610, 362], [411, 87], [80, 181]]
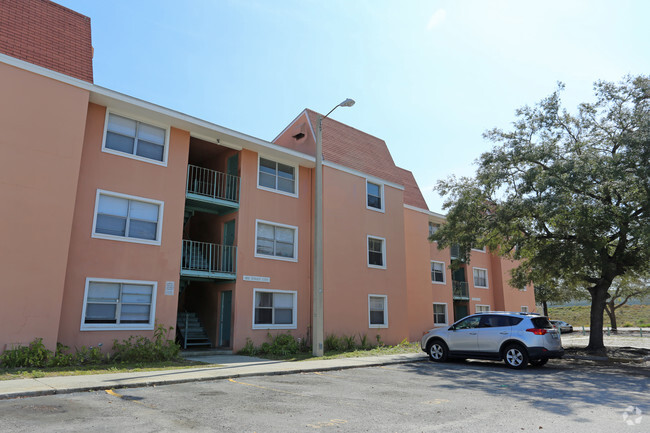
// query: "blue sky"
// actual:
[[429, 77]]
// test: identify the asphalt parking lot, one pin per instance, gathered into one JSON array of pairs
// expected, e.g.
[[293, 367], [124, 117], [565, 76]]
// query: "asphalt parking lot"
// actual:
[[421, 396]]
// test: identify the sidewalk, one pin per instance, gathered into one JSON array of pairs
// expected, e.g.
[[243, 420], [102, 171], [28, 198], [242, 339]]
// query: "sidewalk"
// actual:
[[229, 366]]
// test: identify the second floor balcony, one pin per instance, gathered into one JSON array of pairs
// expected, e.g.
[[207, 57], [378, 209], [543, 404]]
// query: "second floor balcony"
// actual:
[[211, 191], [460, 290], [204, 260]]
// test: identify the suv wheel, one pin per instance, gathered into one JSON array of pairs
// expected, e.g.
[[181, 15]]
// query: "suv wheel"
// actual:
[[438, 351], [515, 356]]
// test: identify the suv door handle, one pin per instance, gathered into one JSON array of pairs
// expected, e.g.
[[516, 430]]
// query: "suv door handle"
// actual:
[[472, 333], [503, 333]]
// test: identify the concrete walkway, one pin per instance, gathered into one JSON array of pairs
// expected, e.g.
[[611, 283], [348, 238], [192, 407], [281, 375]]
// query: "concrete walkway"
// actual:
[[227, 367]]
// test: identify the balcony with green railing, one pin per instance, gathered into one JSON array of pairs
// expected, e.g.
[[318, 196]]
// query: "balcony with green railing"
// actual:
[[460, 290], [203, 260], [211, 191]]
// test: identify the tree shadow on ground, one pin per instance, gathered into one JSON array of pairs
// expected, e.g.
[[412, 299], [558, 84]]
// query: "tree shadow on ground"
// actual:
[[581, 385]]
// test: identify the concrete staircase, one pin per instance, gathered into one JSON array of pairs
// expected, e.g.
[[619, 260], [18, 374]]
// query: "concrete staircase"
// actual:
[[190, 331]]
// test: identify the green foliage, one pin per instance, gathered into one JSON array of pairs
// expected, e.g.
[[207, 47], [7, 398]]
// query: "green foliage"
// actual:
[[568, 195], [364, 345], [34, 355], [248, 349], [141, 349], [279, 345], [333, 343]]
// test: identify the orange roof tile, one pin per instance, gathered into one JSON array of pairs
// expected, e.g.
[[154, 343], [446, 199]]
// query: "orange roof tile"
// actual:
[[352, 148]]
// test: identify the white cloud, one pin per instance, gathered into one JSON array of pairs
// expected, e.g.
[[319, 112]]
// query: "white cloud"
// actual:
[[436, 19]]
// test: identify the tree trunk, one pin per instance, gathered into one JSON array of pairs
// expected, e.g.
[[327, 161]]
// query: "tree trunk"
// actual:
[[611, 312], [599, 297], [545, 305]]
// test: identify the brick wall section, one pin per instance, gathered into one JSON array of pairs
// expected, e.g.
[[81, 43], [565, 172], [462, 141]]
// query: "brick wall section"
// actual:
[[48, 35]]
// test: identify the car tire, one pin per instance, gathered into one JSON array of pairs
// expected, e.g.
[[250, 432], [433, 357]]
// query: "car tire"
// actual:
[[538, 362], [515, 356], [437, 351]]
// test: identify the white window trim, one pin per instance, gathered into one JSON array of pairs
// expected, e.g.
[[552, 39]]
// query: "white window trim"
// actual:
[[105, 149], [481, 305], [444, 273], [295, 242], [383, 252], [382, 187], [446, 315], [482, 250], [487, 280], [524, 307], [294, 317], [296, 170], [160, 204], [385, 325], [109, 326]]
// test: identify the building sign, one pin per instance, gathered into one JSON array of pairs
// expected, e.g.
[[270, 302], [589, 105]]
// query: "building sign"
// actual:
[[169, 288], [257, 279], [476, 299]]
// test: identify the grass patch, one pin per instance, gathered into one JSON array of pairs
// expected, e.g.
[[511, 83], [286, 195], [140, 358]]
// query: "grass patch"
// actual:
[[634, 316], [335, 347], [30, 373]]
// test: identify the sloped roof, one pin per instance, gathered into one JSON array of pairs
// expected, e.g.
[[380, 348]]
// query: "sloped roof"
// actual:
[[352, 148], [412, 193]]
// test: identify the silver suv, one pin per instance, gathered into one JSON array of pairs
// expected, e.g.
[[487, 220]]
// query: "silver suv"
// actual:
[[517, 338]]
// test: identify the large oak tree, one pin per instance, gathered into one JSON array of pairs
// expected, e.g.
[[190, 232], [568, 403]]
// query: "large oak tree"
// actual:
[[567, 194]]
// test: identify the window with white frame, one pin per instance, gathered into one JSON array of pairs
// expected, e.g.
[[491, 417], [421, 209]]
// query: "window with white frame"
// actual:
[[437, 272], [277, 176], [376, 252], [482, 249], [274, 309], [439, 313], [118, 304], [276, 241], [433, 227], [138, 139], [377, 311], [374, 196], [524, 309], [125, 217], [480, 278], [482, 308]]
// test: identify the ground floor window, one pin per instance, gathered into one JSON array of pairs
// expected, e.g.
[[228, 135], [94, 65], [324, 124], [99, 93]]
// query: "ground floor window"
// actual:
[[274, 309], [524, 309], [482, 308], [118, 304], [439, 313], [377, 311]]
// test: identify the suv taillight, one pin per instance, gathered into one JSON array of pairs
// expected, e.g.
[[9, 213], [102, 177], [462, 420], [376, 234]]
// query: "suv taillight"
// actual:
[[536, 331]]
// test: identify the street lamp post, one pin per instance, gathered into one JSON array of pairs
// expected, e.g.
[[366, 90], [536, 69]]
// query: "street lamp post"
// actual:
[[317, 314]]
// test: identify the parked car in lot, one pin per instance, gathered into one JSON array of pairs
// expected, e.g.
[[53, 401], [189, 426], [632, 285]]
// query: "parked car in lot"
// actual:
[[562, 326], [515, 338]]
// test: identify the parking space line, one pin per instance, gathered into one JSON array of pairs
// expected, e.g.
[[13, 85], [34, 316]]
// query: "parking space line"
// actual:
[[126, 398]]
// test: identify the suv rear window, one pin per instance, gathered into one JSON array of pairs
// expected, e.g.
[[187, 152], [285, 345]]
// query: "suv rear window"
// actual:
[[541, 323]]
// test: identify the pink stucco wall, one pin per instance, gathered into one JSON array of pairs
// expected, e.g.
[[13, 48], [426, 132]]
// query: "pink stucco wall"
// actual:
[[270, 206], [102, 258], [348, 280], [41, 133]]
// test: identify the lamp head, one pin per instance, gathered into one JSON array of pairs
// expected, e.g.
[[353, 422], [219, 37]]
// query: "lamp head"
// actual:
[[347, 103]]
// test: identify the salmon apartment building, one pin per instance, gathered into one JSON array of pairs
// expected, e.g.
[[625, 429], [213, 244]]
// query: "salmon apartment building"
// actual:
[[118, 215]]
